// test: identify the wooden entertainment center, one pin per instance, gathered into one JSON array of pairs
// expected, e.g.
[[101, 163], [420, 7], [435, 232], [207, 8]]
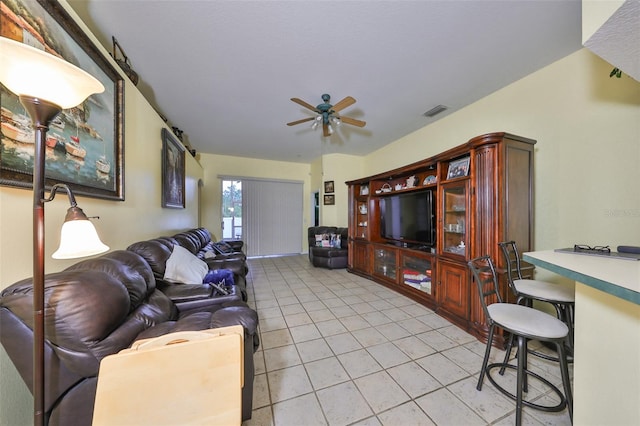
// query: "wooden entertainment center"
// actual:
[[482, 193]]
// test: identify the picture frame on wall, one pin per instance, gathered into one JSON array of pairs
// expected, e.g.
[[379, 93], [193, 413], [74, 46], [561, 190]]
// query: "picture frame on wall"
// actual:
[[329, 200], [85, 144], [173, 171], [329, 187], [458, 168]]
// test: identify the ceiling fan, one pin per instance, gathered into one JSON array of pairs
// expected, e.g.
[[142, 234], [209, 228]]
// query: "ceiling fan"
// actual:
[[327, 114]]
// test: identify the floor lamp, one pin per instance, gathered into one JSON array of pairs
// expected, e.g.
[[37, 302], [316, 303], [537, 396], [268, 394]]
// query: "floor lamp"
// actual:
[[45, 85]]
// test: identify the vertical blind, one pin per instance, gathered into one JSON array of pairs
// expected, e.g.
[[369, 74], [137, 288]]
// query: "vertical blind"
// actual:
[[272, 217]]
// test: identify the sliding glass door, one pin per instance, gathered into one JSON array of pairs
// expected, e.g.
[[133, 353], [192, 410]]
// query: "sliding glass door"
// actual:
[[265, 214]]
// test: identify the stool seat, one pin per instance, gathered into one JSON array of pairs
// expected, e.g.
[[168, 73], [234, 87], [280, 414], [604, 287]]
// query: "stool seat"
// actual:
[[528, 322], [544, 291]]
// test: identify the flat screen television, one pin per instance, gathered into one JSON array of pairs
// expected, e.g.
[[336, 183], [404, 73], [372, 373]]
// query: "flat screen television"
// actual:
[[409, 218]]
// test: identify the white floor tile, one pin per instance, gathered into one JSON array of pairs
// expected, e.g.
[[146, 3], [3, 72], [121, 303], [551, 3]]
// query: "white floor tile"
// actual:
[[343, 404], [369, 337], [331, 327], [442, 369], [281, 357], [342, 343], [414, 379], [314, 350], [405, 414], [288, 383], [387, 354], [326, 372], [272, 339], [381, 391], [302, 333], [445, 409], [297, 411], [359, 363]]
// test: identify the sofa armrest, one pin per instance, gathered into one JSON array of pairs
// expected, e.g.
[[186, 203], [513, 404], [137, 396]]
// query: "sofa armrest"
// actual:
[[237, 265], [199, 305], [236, 245]]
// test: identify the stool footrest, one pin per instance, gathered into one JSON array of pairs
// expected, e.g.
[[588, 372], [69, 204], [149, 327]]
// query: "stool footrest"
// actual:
[[502, 366]]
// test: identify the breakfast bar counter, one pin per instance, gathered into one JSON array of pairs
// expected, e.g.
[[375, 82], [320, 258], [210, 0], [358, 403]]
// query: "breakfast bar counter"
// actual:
[[607, 335]]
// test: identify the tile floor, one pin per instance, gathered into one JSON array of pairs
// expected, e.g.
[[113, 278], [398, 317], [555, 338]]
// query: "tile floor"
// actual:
[[338, 349]]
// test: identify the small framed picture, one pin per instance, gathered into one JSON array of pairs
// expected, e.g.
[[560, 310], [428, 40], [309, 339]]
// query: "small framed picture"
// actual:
[[458, 168], [173, 172], [329, 200], [328, 187]]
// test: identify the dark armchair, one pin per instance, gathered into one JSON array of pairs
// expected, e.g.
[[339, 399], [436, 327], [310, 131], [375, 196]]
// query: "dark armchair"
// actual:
[[331, 257]]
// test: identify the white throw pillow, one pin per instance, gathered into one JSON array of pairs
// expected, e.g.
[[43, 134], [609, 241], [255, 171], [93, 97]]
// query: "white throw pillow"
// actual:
[[184, 267]]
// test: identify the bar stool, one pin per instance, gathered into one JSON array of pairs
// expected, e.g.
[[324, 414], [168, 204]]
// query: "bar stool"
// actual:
[[524, 323], [562, 298]]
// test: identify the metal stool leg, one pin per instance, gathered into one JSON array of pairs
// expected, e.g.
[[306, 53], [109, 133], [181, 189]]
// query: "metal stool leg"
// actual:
[[485, 361], [520, 378], [568, 319], [507, 353], [564, 370]]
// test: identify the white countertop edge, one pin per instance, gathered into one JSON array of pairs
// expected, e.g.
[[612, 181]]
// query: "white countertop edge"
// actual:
[[620, 278]]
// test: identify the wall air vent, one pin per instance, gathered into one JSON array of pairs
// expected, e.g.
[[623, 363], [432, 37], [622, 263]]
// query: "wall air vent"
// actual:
[[435, 111]]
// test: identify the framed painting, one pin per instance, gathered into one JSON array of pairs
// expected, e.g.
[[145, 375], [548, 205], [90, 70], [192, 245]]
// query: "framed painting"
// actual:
[[173, 171], [329, 187], [85, 144], [329, 200]]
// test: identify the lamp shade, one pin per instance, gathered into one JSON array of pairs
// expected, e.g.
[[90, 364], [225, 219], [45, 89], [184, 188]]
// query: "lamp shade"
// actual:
[[78, 237], [28, 71]]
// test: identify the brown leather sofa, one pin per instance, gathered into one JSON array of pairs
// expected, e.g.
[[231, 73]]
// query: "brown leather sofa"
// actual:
[[98, 307], [217, 255], [328, 257]]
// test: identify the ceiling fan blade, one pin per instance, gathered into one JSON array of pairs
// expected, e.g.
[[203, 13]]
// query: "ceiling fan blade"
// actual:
[[352, 121], [304, 120], [325, 130], [348, 101], [304, 104]]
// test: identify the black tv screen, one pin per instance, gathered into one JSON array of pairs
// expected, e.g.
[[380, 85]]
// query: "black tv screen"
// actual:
[[408, 217]]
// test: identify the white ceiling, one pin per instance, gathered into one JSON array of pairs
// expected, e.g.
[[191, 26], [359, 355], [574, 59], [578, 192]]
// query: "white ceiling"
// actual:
[[224, 71]]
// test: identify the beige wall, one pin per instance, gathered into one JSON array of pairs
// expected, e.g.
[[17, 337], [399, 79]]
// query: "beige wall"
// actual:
[[339, 168], [121, 223]]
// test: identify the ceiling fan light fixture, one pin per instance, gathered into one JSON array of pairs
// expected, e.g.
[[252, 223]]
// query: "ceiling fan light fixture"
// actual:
[[316, 122], [435, 111], [329, 129]]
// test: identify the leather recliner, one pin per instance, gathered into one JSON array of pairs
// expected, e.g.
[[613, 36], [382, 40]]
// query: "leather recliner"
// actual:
[[96, 308], [328, 257]]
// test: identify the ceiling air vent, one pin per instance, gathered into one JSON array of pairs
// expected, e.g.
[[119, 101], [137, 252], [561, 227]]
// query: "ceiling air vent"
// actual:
[[435, 111]]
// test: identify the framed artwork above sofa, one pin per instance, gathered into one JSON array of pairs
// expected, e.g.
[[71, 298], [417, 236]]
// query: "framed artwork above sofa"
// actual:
[[85, 144], [173, 171]]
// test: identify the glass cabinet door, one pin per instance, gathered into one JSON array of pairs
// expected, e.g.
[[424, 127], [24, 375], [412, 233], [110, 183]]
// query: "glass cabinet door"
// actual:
[[455, 219], [362, 218], [385, 263], [417, 273]]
